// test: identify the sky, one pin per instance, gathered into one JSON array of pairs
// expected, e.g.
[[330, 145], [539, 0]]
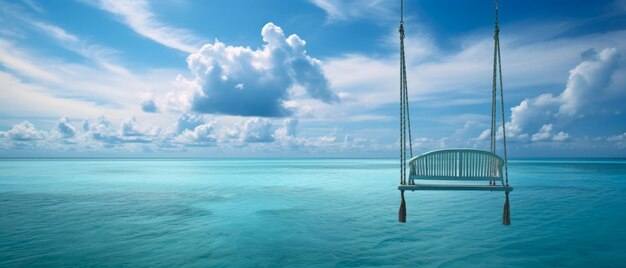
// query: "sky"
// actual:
[[309, 78]]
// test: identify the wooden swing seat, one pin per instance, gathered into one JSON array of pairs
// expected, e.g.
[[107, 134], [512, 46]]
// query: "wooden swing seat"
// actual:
[[463, 166]]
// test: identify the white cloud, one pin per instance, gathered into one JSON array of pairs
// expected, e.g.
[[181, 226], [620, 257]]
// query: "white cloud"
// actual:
[[618, 140], [130, 128], [55, 31], [138, 16], [65, 129], [350, 9], [34, 82], [85, 125], [461, 77], [544, 133], [16, 60], [34, 85], [188, 121], [148, 103], [257, 130], [24, 131], [149, 106], [95, 53], [589, 81], [288, 129], [129, 132], [201, 135], [218, 71], [561, 136], [620, 137], [586, 92], [103, 134], [26, 99], [34, 6], [103, 130]]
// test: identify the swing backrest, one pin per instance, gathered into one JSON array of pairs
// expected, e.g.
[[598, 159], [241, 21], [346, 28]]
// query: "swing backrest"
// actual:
[[457, 164]]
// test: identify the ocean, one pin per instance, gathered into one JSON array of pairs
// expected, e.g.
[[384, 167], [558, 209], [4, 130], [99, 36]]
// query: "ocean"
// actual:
[[303, 213]]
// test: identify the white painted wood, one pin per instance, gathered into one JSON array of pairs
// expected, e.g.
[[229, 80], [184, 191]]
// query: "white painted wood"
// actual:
[[449, 178], [455, 187], [460, 165]]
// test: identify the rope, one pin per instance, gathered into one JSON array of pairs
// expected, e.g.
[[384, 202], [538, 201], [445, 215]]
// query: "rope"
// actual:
[[402, 131], [497, 59], [405, 118], [405, 121], [406, 107], [401, 11], [401, 120], [499, 62], [492, 145]]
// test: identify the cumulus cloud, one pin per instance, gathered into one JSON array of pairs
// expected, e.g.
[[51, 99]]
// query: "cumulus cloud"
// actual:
[[148, 103], [543, 134], [188, 121], [561, 136], [129, 132], [103, 130], [587, 92], [257, 130], [130, 128], [237, 80], [65, 129], [546, 133], [619, 140], [588, 82], [24, 131], [257, 135], [621, 137], [288, 129], [201, 135], [85, 125]]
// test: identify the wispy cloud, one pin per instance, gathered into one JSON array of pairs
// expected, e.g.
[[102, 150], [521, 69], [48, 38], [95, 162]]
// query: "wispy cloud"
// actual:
[[461, 75], [34, 6], [15, 60], [339, 10], [48, 86], [54, 31], [100, 55], [139, 17]]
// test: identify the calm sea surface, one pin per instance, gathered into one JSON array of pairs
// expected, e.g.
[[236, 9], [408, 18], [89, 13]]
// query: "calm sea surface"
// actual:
[[303, 213]]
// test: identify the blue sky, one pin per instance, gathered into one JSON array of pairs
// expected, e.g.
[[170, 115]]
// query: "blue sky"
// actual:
[[314, 78]]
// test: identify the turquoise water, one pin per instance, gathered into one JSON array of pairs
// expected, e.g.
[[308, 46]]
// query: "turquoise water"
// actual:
[[303, 213]]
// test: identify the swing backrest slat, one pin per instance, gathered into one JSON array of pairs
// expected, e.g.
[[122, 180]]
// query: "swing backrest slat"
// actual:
[[457, 164]]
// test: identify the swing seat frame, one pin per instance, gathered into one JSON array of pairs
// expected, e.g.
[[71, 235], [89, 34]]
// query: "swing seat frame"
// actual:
[[465, 167]]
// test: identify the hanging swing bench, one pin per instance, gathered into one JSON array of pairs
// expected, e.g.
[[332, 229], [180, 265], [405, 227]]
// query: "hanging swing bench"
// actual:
[[463, 166], [454, 169]]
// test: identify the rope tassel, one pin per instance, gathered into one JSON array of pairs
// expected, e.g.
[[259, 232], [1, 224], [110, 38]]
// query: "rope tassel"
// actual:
[[402, 212], [506, 213]]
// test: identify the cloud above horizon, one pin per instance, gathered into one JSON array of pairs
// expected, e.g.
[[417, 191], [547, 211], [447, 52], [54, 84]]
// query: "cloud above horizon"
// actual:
[[138, 16], [340, 10], [24, 131], [135, 78], [587, 92], [234, 80], [190, 132]]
